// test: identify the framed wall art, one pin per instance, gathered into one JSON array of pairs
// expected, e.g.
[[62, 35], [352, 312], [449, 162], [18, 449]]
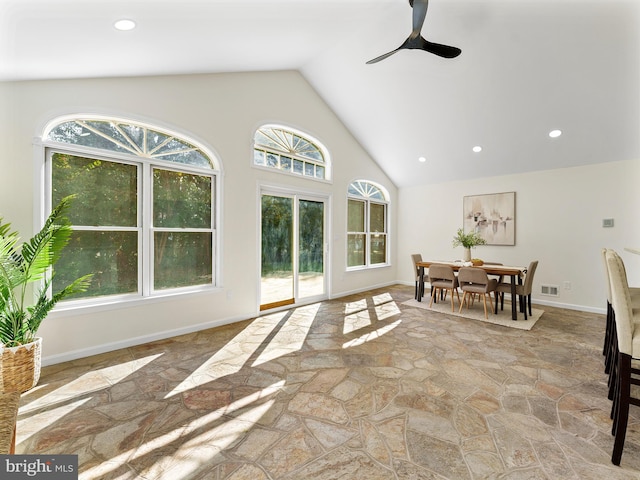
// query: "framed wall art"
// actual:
[[493, 216]]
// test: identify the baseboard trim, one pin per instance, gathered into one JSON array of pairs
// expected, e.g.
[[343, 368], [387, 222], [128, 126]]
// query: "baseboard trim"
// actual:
[[131, 342]]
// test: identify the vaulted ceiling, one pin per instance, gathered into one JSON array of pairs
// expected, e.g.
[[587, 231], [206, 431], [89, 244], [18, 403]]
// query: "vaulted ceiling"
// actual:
[[527, 67]]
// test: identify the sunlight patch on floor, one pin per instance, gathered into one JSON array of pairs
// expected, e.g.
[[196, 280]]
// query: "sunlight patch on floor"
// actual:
[[352, 307], [199, 440], [382, 298], [367, 337], [356, 321], [35, 422], [48, 395], [387, 310], [357, 314], [291, 336], [233, 356]]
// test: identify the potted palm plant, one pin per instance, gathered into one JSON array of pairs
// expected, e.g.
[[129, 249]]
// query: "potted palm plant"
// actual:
[[22, 311], [468, 241]]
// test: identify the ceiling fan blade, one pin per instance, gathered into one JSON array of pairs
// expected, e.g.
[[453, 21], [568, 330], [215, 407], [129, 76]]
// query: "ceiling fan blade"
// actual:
[[419, 14], [382, 57], [445, 51]]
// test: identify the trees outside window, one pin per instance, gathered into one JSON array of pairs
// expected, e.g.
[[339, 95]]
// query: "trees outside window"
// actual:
[[144, 215], [367, 225]]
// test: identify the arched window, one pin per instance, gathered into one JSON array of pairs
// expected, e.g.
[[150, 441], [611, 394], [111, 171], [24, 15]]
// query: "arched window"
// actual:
[[367, 225], [144, 216], [290, 152]]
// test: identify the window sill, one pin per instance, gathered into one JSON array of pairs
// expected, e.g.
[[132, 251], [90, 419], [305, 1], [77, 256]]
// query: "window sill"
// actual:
[[79, 307], [368, 267]]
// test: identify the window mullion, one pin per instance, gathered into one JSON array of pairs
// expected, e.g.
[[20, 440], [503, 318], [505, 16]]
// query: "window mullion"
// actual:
[[145, 228], [367, 228]]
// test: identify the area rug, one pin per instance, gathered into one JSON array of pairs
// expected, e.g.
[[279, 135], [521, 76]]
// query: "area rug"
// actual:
[[476, 312]]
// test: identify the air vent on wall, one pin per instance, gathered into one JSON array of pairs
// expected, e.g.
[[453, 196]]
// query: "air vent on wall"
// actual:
[[550, 290]]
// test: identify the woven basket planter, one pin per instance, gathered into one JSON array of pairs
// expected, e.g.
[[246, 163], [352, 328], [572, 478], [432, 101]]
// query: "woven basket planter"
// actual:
[[20, 367]]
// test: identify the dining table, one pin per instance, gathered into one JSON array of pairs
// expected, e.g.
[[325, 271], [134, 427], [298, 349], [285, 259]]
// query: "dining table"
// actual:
[[516, 274]]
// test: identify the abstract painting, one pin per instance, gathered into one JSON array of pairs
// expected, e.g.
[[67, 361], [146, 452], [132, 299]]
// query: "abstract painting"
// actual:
[[493, 216]]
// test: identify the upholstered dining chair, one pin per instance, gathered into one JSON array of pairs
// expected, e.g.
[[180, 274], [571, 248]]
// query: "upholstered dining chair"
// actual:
[[609, 331], [474, 280], [415, 258], [522, 291], [443, 278], [610, 347], [628, 348], [500, 277]]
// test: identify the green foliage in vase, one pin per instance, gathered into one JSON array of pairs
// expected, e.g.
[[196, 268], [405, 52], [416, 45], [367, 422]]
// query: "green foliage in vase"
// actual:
[[467, 240], [32, 262]]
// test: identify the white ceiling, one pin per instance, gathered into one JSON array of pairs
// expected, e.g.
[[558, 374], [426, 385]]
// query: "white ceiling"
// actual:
[[527, 67]]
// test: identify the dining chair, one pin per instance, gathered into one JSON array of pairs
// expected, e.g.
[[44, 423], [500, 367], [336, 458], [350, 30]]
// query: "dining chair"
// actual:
[[609, 333], [522, 291], [610, 347], [415, 258], [500, 277], [628, 348], [443, 278], [474, 280]]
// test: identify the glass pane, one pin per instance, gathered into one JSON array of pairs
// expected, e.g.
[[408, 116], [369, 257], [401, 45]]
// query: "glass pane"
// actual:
[[109, 130], [377, 222], [258, 157], [181, 200], [277, 253], [182, 259], [77, 133], [319, 171], [155, 140], [272, 160], [356, 250], [311, 249], [192, 157], [112, 257], [309, 171], [135, 134], [305, 148], [298, 167], [285, 163], [106, 191], [262, 138], [178, 151], [378, 249], [356, 216]]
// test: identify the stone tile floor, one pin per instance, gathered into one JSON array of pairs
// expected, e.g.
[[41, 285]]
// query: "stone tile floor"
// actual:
[[360, 387]]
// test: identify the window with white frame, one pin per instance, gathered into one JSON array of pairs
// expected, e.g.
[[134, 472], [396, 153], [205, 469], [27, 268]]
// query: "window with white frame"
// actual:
[[367, 225], [289, 151], [144, 214]]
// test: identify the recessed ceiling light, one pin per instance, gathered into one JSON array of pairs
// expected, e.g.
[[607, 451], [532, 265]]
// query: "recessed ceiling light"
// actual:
[[555, 133], [125, 24], [477, 149], [422, 159]]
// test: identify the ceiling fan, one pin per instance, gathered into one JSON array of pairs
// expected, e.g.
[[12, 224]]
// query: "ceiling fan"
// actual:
[[415, 40]]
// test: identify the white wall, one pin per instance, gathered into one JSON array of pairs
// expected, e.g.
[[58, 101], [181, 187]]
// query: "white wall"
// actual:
[[558, 222], [222, 111]]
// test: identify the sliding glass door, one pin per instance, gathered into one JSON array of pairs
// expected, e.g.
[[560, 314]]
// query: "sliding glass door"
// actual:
[[292, 249]]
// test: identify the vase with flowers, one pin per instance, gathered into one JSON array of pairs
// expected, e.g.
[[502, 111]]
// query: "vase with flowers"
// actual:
[[468, 241]]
